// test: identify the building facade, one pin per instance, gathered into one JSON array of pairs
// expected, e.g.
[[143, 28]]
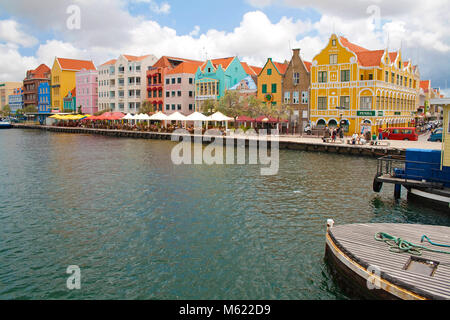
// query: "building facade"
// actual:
[[179, 90], [15, 100], [64, 79], [296, 82], [41, 74], [44, 99], [214, 77], [362, 89], [156, 80], [70, 101], [87, 91], [7, 89], [270, 82], [121, 83], [247, 87]]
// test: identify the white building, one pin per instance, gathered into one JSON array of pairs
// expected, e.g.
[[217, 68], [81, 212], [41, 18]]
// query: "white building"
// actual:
[[122, 83]]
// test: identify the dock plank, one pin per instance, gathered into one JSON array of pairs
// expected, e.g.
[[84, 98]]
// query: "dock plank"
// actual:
[[359, 241]]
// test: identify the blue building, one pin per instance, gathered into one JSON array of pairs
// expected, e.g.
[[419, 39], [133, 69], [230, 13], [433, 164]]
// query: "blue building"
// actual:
[[44, 98], [15, 100]]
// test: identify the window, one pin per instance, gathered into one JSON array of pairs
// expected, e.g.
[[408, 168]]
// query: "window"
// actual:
[[190, 107], [167, 81], [333, 59], [393, 77], [366, 103], [191, 80], [370, 76], [173, 107], [179, 107], [274, 88], [296, 78], [333, 42], [179, 80], [173, 93], [345, 75], [287, 97], [269, 72], [296, 97], [191, 94], [167, 107], [362, 77], [173, 80], [179, 93], [322, 76], [264, 88], [167, 94], [305, 96], [345, 102], [322, 103]]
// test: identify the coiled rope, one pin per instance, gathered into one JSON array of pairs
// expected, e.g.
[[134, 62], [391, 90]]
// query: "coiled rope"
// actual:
[[399, 245]]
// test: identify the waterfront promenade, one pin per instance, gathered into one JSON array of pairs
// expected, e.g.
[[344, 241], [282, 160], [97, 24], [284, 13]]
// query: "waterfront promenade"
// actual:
[[314, 144]]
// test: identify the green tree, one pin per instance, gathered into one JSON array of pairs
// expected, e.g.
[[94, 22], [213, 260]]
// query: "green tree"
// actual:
[[147, 107], [255, 108], [79, 109], [6, 110], [30, 109], [209, 107], [231, 104]]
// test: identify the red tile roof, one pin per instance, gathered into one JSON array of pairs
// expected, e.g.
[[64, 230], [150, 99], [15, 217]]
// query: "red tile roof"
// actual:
[[249, 70], [75, 65], [370, 58], [225, 62], [39, 72], [113, 61], [308, 65], [393, 56], [282, 67], [135, 58], [186, 67], [353, 47], [256, 69], [425, 85]]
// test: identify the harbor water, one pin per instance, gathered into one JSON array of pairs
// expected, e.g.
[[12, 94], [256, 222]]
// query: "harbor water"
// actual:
[[140, 227]]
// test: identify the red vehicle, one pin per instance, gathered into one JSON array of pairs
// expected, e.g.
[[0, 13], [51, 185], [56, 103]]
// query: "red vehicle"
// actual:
[[407, 134]]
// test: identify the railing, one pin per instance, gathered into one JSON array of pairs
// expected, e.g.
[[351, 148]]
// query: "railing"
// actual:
[[397, 167]]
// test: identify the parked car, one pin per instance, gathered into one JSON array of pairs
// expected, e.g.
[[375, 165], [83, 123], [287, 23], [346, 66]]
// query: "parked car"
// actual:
[[308, 130], [406, 134], [436, 135]]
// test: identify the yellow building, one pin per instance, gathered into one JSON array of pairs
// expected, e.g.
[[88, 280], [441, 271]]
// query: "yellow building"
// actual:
[[362, 89], [270, 82], [63, 78]]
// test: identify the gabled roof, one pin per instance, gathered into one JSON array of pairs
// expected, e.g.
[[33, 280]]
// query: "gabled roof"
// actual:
[[425, 85], [39, 72], [166, 62], [135, 58], [370, 58], [308, 65], [186, 67], [256, 69], [110, 62], [225, 62], [282, 67], [393, 56], [353, 47], [248, 70], [75, 65]]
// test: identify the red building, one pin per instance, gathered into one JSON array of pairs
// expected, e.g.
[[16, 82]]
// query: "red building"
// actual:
[[31, 84], [156, 79]]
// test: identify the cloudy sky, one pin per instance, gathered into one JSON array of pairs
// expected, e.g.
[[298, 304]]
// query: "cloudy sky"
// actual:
[[34, 32]]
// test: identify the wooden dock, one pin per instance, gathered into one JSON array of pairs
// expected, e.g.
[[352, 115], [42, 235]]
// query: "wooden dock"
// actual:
[[353, 150], [366, 268]]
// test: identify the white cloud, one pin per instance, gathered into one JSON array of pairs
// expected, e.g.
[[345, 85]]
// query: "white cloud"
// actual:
[[10, 32]]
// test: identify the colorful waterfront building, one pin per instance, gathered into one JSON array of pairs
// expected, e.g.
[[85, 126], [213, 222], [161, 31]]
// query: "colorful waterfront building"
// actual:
[[296, 82], [87, 91], [7, 89], [70, 101], [121, 83], [247, 87], [34, 78], [270, 82], [214, 77], [44, 98], [64, 78], [179, 89], [15, 100], [156, 80], [362, 89]]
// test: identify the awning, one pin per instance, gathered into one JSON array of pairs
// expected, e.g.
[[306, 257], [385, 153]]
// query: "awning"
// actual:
[[197, 116], [218, 116], [245, 119]]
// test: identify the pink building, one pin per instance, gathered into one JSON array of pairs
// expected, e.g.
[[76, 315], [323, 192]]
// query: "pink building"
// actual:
[[87, 91], [179, 87]]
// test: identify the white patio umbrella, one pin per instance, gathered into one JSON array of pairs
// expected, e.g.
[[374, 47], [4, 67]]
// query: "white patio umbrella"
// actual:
[[220, 117], [177, 117], [159, 117], [198, 117]]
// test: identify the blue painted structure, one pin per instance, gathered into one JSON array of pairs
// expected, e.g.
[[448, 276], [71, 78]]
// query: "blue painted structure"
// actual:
[[426, 165], [44, 99], [15, 101]]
